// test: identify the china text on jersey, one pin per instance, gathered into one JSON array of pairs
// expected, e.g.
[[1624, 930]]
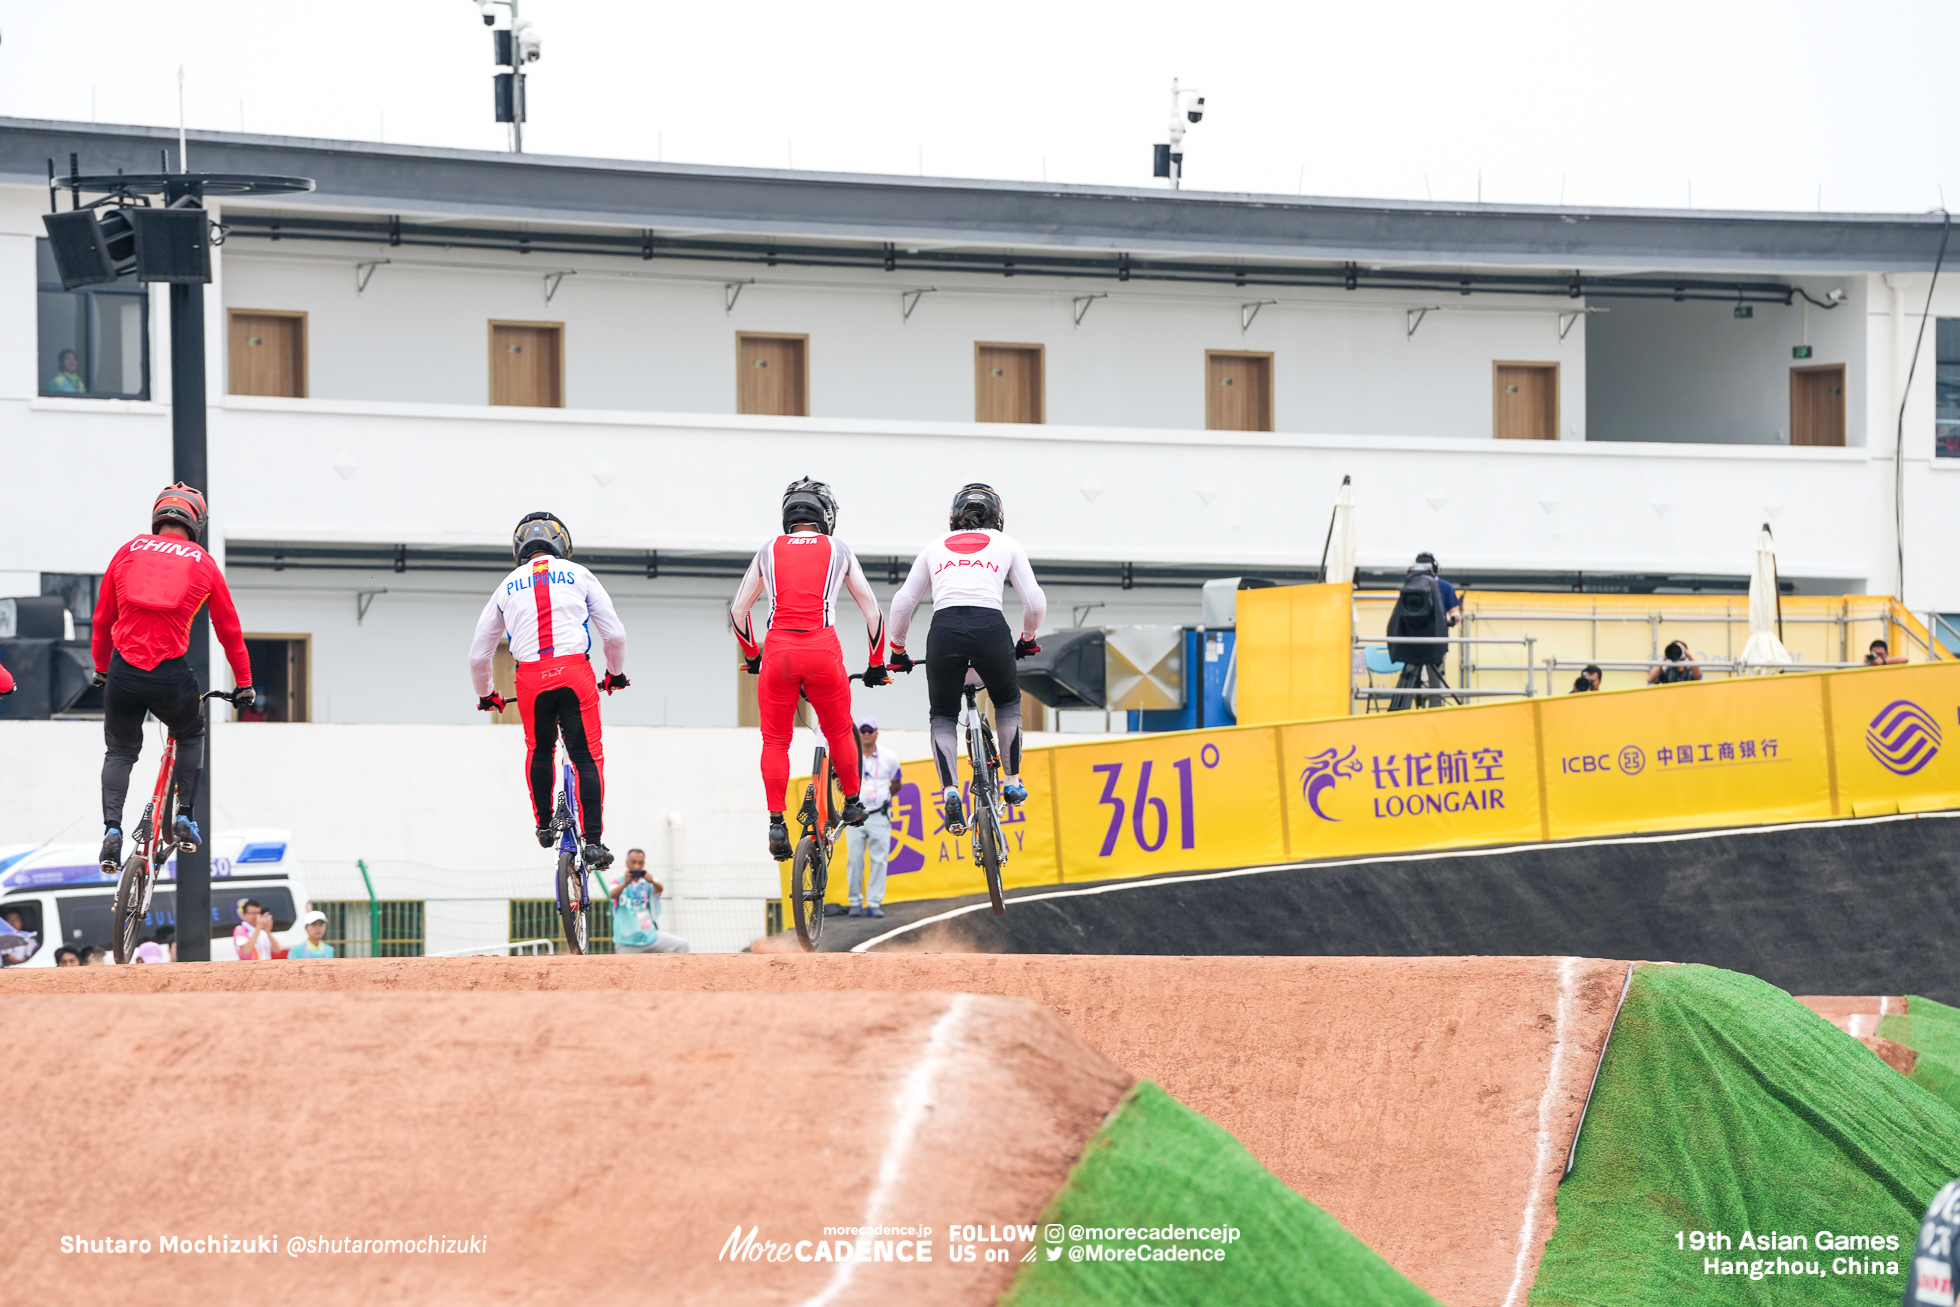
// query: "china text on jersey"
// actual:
[[967, 569], [547, 607], [802, 573]]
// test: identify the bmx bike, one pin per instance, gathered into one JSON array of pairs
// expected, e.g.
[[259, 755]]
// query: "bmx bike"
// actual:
[[569, 883], [156, 840], [809, 877], [989, 809]]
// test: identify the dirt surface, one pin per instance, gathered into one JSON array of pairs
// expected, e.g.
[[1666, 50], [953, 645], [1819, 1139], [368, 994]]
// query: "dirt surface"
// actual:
[[1855, 1014], [1427, 1103], [601, 1145], [1897, 1056]]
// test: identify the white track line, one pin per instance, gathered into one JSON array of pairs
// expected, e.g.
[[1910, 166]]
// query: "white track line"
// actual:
[[910, 1104], [1496, 850], [1541, 1161]]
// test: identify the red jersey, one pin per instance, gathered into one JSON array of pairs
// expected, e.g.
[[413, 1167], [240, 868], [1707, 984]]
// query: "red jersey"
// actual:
[[150, 594], [803, 572], [6, 682]]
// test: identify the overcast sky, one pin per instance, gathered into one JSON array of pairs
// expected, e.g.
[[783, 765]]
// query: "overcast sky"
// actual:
[[1720, 103]]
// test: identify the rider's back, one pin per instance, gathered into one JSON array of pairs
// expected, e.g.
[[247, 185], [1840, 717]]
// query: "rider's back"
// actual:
[[151, 592], [548, 606]]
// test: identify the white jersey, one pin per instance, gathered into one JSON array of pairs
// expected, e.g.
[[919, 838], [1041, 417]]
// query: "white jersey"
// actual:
[[547, 608], [970, 569]]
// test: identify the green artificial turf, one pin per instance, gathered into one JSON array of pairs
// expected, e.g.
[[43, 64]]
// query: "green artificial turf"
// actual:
[[1932, 1030], [1156, 1164], [1726, 1108]]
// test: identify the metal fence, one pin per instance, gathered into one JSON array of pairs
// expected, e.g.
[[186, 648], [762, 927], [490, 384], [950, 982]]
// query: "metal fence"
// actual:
[[350, 924], [538, 919]]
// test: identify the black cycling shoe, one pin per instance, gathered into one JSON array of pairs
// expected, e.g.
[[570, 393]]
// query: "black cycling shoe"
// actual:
[[853, 814], [188, 836], [546, 837], [597, 856], [111, 851], [779, 838], [955, 812]]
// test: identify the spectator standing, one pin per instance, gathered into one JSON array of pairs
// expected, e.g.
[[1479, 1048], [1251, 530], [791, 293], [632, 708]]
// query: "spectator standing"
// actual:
[[636, 911], [249, 938], [872, 841], [315, 944], [67, 957], [1880, 655], [1676, 668], [151, 951], [67, 379], [1452, 601]]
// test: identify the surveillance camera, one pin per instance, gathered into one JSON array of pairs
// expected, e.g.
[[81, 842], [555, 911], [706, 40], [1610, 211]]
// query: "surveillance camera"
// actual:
[[1197, 110], [488, 9], [529, 44], [1837, 296]]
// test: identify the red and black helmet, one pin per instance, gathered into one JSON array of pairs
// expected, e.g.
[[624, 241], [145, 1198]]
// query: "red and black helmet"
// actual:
[[181, 504]]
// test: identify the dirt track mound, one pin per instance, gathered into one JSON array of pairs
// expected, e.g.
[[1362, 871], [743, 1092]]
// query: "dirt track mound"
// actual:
[[602, 1146], [1426, 1103]]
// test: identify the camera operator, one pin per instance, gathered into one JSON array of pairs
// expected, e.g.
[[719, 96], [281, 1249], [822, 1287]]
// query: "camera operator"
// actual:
[[1425, 610], [1880, 655], [1678, 667]]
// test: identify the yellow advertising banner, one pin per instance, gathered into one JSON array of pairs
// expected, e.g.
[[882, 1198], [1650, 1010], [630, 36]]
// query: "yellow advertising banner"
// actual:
[[1892, 729], [1675, 757], [1175, 801], [1410, 780], [927, 863]]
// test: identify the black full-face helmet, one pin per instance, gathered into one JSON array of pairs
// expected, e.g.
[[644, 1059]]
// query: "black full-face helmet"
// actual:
[[540, 533], [977, 506], [809, 501]]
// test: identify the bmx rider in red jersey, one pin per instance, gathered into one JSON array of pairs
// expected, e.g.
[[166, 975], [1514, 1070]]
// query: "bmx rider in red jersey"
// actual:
[[802, 570]]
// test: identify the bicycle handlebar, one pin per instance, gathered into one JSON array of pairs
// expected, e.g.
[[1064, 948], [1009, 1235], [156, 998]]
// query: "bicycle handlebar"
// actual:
[[227, 695]]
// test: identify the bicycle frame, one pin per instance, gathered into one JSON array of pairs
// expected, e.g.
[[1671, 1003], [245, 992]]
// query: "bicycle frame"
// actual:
[[984, 760]]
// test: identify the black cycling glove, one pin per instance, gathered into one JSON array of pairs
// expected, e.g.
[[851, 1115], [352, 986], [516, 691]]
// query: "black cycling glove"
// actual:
[[1025, 646]]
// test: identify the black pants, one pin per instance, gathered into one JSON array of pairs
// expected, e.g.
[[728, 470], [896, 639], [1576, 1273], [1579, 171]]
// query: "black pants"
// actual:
[[170, 691], [554, 711], [977, 638]]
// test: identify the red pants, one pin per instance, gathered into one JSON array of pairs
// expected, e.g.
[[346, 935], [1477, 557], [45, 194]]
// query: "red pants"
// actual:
[[557, 696], [813, 662]]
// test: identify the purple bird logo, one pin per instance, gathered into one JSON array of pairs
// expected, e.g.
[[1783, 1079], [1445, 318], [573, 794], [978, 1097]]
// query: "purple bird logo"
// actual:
[[1323, 769]]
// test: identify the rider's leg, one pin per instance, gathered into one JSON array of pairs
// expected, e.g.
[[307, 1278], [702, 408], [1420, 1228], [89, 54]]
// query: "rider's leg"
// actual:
[[178, 706], [122, 734], [540, 726], [578, 718], [993, 657], [828, 688], [775, 701], [945, 674]]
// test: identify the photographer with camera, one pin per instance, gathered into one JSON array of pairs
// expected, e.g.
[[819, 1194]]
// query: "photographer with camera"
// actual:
[[1678, 666], [1425, 610], [636, 911], [1880, 655]]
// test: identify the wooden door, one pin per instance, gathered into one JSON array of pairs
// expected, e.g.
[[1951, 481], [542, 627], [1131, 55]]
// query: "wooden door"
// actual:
[[1007, 383], [527, 364], [772, 375], [1525, 401], [503, 679], [1238, 391], [1817, 405], [268, 353]]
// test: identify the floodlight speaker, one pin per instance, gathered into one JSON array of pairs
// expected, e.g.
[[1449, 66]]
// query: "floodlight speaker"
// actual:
[[172, 245], [80, 248], [1161, 165], [506, 53], [506, 97]]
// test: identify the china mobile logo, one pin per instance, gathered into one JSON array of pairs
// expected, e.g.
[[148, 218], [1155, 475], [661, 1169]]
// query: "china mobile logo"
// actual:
[[1323, 770], [1903, 737]]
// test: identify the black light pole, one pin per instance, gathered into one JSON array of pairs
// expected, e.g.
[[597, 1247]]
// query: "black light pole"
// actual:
[[190, 464], [102, 242]]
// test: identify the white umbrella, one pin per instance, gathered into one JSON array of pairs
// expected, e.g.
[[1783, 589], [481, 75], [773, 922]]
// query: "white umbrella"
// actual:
[[1764, 650], [1337, 558]]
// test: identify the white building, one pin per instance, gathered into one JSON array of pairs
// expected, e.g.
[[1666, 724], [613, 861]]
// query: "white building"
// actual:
[[434, 342]]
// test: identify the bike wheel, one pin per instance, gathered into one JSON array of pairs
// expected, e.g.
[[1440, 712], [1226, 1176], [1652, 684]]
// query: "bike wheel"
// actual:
[[808, 882], [130, 904], [573, 907], [986, 839]]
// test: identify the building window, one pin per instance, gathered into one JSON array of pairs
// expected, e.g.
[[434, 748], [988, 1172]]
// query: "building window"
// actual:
[[527, 364], [1238, 391], [94, 341], [772, 375], [281, 674], [1946, 389], [268, 353]]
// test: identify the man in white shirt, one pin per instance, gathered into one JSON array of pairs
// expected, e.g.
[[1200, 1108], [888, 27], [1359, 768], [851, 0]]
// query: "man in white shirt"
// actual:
[[872, 839], [547, 609]]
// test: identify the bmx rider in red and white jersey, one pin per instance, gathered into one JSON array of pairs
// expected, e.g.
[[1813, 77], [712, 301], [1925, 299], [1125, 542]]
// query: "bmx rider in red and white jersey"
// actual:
[[966, 572], [802, 571], [548, 609]]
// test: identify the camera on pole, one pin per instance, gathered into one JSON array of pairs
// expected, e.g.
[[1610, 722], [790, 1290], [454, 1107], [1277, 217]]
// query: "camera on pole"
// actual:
[[511, 47], [1187, 106]]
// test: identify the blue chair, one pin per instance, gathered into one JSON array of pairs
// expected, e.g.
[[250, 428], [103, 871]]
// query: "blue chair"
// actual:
[[1379, 661]]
